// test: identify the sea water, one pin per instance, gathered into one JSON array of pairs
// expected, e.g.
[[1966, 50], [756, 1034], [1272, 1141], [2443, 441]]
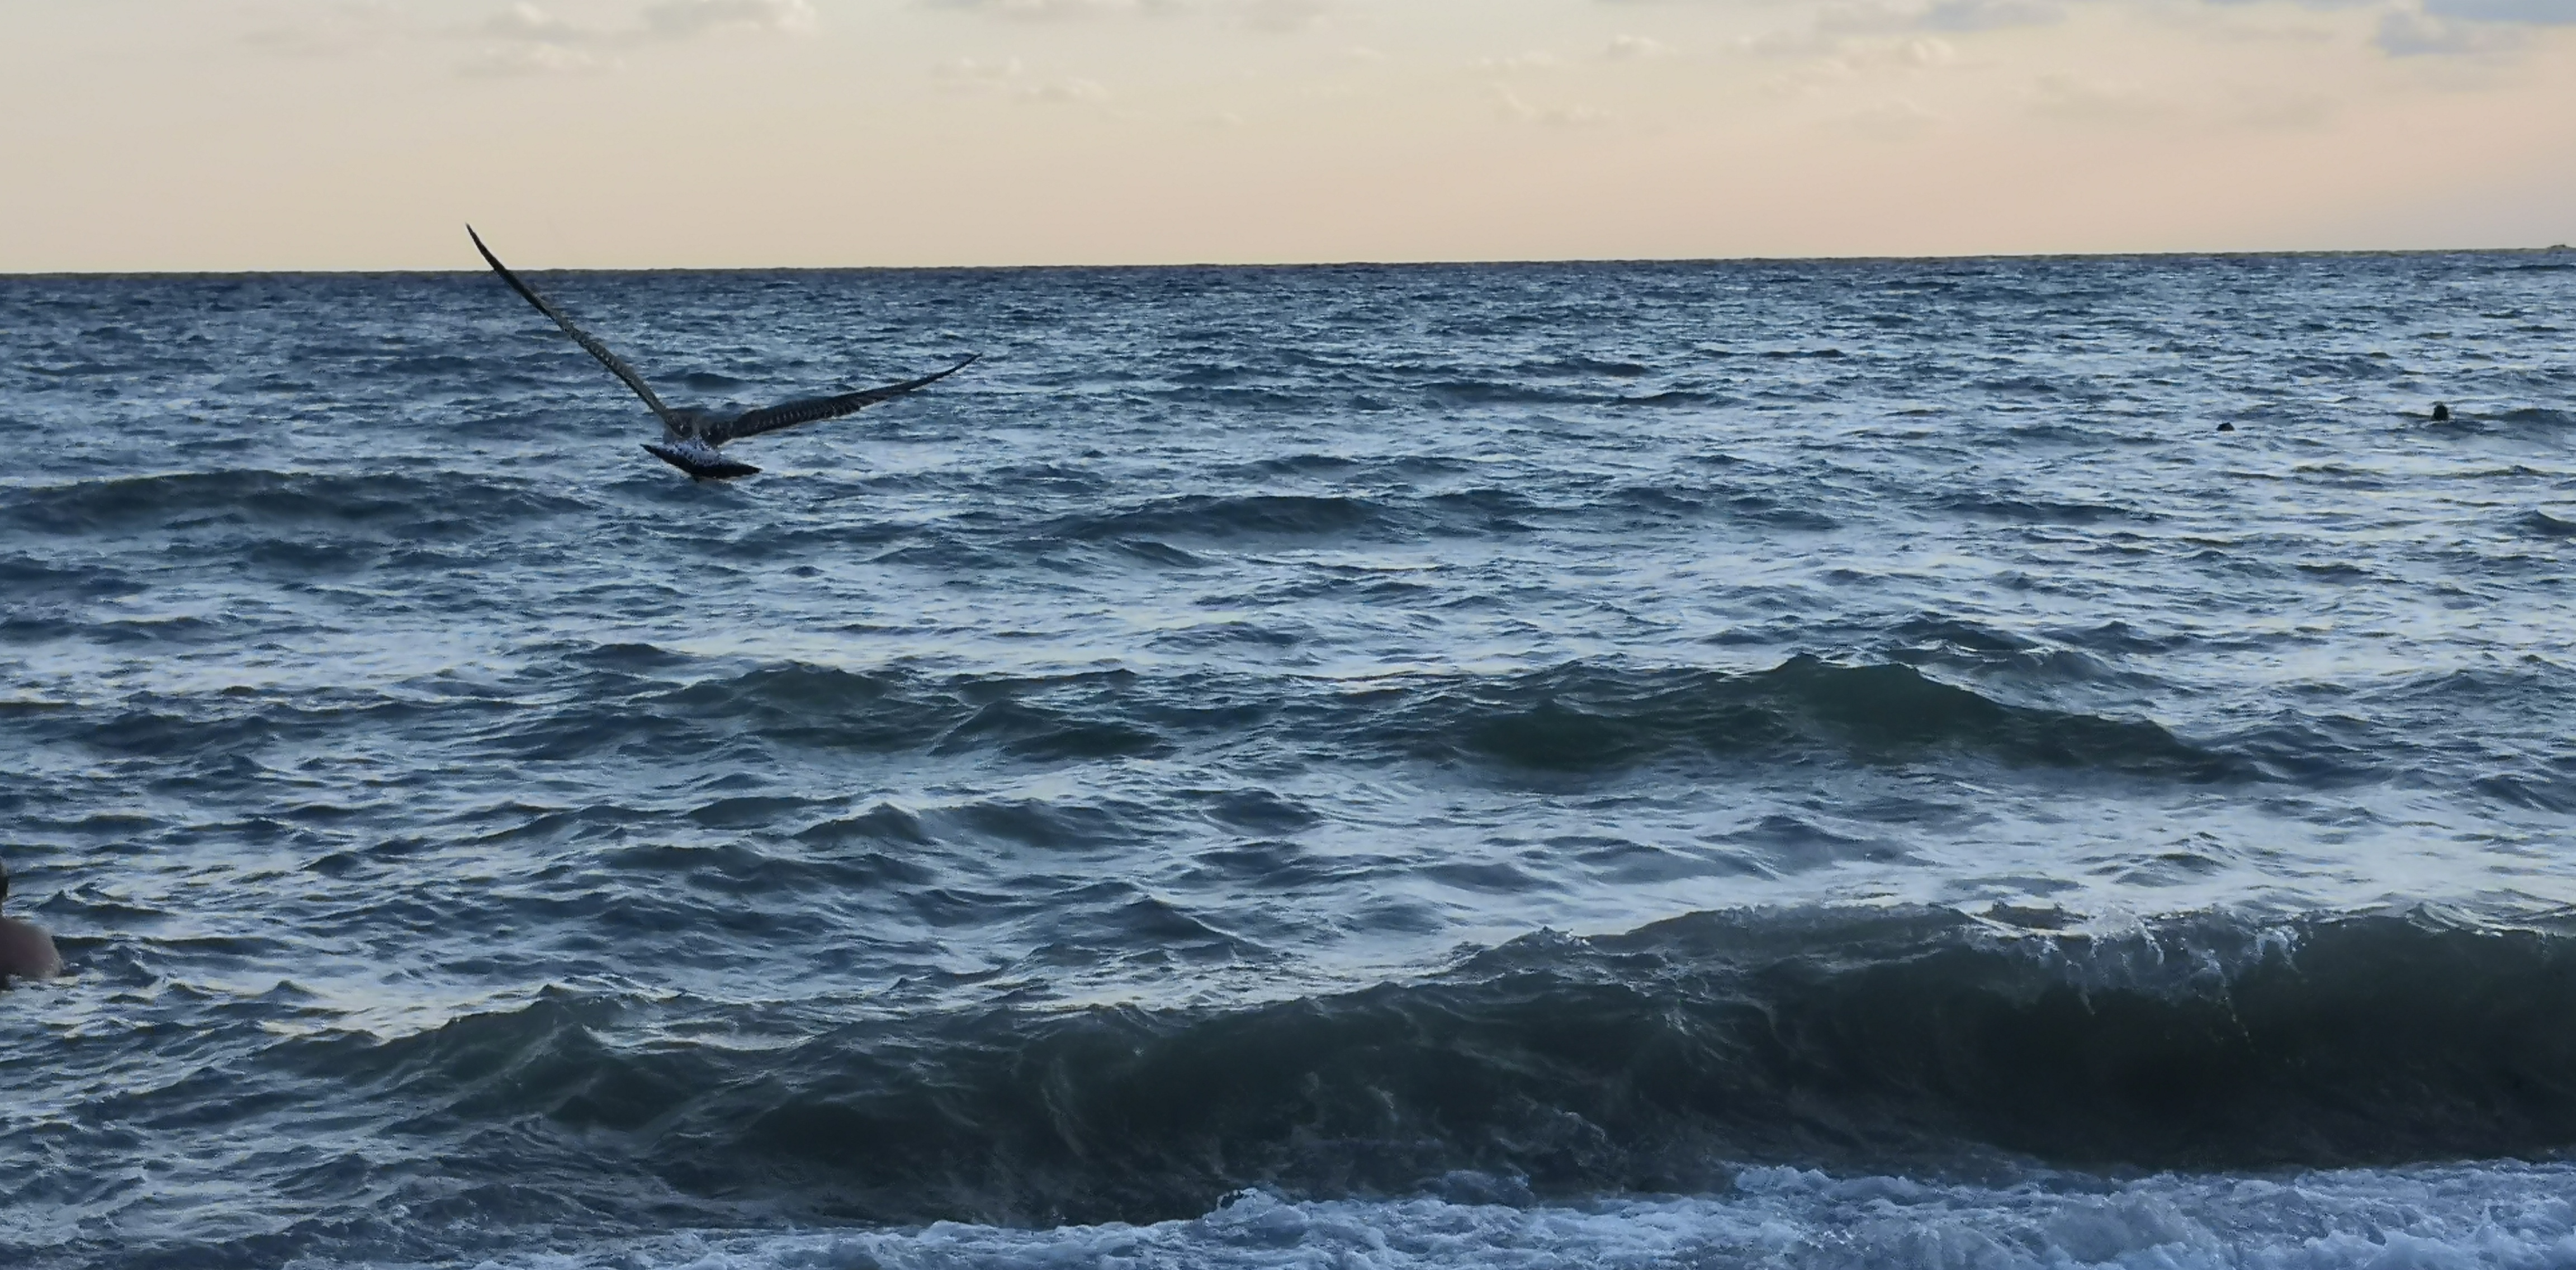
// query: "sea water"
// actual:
[[1734, 764]]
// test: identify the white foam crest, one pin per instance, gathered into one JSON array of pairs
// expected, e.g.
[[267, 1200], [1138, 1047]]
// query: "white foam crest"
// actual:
[[2506, 1216]]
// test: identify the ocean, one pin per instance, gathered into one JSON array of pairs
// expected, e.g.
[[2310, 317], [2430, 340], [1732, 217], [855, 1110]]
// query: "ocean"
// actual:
[[1781, 764]]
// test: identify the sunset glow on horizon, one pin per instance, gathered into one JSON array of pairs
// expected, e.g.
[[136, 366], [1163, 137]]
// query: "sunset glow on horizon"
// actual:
[[362, 134]]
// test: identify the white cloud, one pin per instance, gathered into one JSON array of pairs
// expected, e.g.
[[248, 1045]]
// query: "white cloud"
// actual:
[[1519, 62], [977, 70], [1635, 48], [510, 61], [681, 19], [1839, 29], [1989, 15], [1053, 10], [524, 39], [1283, 15], [1878, 17], [527, 23], [1009, 77], [1277, 16], [327, 30], [1064, 92]]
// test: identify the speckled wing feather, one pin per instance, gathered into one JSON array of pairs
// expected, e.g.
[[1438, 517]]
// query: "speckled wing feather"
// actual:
[[616, 365], [817, 409]]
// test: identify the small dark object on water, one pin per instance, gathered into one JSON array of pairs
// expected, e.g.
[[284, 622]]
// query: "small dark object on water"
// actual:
[[2227, 427], [2441, 413], [26, 952]]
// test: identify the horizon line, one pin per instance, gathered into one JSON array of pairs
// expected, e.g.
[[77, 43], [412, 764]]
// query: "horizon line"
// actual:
[[1856, 258]]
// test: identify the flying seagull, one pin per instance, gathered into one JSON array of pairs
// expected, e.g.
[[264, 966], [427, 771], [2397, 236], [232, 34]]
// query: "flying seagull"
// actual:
[[690, 437]]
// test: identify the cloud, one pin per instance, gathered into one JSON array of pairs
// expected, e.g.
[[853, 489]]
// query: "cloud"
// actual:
[[527, 23], [2527, 12], [2467, 28], [1276, 16], [511, 61], [1989, 15], [328, 30], [970, 74], [1064, 92], [2328, 5], [2403, 34], [977, 69], [683, 19], [1838, 29], [1054, 10], [1009, 77], [524, 39], [1283, 15], [1634, 48], [1952, 17]]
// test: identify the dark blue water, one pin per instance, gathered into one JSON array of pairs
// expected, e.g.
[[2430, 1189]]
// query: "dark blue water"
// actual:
[[1714, 764]]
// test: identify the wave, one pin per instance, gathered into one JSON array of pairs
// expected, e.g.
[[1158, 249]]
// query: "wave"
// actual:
[[1210, 516], [621, 700], [1661, 1060], [2481, 1217], [1583, 718], [1576, 718], [2548, 526], [1679, 501], [2043, 511], [2537, 421], [394, 505], [1202, 517]]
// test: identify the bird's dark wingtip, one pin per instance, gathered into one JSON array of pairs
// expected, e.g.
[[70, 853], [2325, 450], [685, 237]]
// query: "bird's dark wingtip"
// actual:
[[488, 257]]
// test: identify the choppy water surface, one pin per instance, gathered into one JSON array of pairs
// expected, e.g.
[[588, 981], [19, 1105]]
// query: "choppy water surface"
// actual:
[[1736, 764]]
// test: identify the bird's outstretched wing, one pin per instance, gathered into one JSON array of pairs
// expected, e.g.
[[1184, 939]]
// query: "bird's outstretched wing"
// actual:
[[817, 409], [616, 365]]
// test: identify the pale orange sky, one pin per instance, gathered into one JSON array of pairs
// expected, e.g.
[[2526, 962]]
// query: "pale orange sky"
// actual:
[[361, 134]]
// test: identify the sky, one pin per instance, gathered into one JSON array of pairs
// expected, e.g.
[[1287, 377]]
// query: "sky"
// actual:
[[363, 134]]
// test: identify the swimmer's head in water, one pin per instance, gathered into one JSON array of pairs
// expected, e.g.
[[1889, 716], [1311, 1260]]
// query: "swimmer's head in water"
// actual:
[[2441, 413]]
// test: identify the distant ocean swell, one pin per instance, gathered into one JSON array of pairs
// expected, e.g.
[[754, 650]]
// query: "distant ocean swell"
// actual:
[[1662, 1060], [636, 700], [444, 504]]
